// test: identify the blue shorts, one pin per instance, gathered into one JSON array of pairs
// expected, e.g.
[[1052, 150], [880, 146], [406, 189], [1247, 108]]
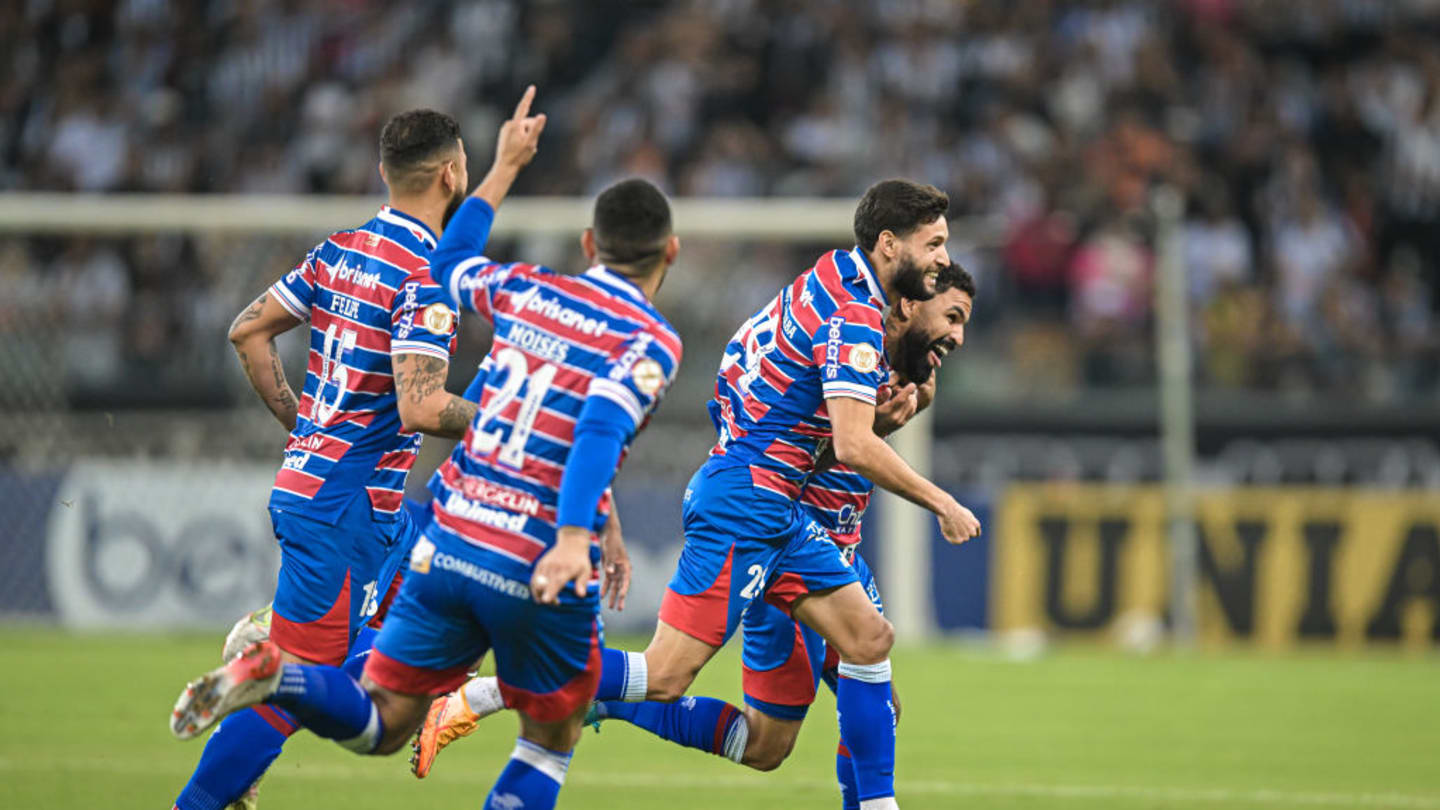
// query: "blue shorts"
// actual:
[[454, 607], [783, 660], [330, 581], [741, 542]]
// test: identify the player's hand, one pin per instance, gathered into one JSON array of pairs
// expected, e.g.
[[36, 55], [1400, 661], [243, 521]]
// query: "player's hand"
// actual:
[[568, 561], [957, 523], [925, 394], [893, 408], [615, 562], [519, 137]]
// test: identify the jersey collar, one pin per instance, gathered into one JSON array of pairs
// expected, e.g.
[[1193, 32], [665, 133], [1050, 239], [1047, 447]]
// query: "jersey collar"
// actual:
[[868, 273], [395, 216], [616, 282]]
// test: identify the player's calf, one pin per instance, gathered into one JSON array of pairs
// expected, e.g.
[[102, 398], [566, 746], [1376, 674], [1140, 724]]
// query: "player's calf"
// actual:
[[672, 660], [771, 739]]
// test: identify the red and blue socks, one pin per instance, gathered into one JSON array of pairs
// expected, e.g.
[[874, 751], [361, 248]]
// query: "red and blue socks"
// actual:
[[330, 703], [867, 725], [531, 779], [246, 742], [703, 723], [623, 676], [239, 751]]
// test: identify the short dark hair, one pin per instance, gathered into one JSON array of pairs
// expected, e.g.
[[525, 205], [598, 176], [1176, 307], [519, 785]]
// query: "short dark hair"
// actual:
[[953, 276], [632, 224], [410, 144], [898, 206]]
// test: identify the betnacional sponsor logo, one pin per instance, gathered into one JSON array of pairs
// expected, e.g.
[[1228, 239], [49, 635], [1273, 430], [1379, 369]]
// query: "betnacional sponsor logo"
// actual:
[[457, 505], [550, 308], [154, 544]]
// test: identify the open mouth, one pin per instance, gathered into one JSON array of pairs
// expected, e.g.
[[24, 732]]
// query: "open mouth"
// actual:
[[937, 352]]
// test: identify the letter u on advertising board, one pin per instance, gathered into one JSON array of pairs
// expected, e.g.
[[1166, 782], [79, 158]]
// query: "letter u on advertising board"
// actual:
[[1278, 566]]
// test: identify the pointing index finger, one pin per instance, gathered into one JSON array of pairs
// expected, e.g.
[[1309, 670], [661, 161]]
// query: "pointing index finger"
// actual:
[[523, 108]]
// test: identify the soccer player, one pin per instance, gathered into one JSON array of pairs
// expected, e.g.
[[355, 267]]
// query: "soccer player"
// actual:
[[800, 377], [783, 660], [381, 332], [507, 562]]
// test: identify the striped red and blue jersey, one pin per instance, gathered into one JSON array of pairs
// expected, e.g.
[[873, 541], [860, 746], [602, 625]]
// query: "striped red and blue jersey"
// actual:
[[821, 337], [558, 340], [367, 294], [837, 499]]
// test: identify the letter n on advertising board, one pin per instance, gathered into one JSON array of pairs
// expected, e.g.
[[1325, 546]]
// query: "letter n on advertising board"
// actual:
[[1278, 566]]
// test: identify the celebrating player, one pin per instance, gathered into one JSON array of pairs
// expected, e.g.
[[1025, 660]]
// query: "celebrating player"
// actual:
[[381, 332], [799, 378], [577, 366], [783, 660]]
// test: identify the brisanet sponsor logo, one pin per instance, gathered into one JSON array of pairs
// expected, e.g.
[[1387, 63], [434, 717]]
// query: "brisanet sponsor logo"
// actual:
[[532, 300]]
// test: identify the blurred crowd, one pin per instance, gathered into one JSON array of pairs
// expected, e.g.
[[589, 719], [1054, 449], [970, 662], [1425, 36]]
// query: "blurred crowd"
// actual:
[[1304, 137]]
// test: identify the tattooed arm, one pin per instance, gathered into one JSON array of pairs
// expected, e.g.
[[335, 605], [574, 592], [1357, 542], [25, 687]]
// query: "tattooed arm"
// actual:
[[253, 336], [425, 405]]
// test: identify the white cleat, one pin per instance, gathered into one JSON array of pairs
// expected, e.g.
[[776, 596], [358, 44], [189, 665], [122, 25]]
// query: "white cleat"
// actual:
[[250, 628], [245, 680]]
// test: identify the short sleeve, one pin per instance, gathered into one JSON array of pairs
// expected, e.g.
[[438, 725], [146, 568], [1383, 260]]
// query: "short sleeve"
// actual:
[[296, 289], [638, 374], [421, 320], [849, 349]]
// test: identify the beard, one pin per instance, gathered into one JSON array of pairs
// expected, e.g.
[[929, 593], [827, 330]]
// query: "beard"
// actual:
[[912, 355], [911, 281], [452, 207]]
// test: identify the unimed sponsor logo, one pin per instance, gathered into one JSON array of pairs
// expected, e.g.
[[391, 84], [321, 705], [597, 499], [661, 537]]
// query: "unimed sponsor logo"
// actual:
[[456, 504]]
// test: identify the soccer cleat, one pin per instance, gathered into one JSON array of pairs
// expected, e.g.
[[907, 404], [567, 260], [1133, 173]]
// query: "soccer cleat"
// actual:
[[250, 628], [592, 716], [244, 680], [448, 719]]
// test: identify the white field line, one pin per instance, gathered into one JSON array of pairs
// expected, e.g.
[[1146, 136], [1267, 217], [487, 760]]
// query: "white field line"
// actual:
[[643, 779]]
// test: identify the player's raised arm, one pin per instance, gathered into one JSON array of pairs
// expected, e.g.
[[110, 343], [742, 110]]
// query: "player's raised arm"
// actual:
[[459, 265], [252, 334]]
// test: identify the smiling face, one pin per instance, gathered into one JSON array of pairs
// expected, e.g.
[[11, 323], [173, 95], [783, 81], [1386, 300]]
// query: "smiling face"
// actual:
[[927, 331]]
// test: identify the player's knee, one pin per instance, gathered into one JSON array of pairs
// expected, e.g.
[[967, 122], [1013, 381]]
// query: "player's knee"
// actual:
[[872, 645]]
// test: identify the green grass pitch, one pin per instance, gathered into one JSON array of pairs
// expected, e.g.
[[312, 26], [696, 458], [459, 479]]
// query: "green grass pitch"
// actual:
[[84, 727]]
